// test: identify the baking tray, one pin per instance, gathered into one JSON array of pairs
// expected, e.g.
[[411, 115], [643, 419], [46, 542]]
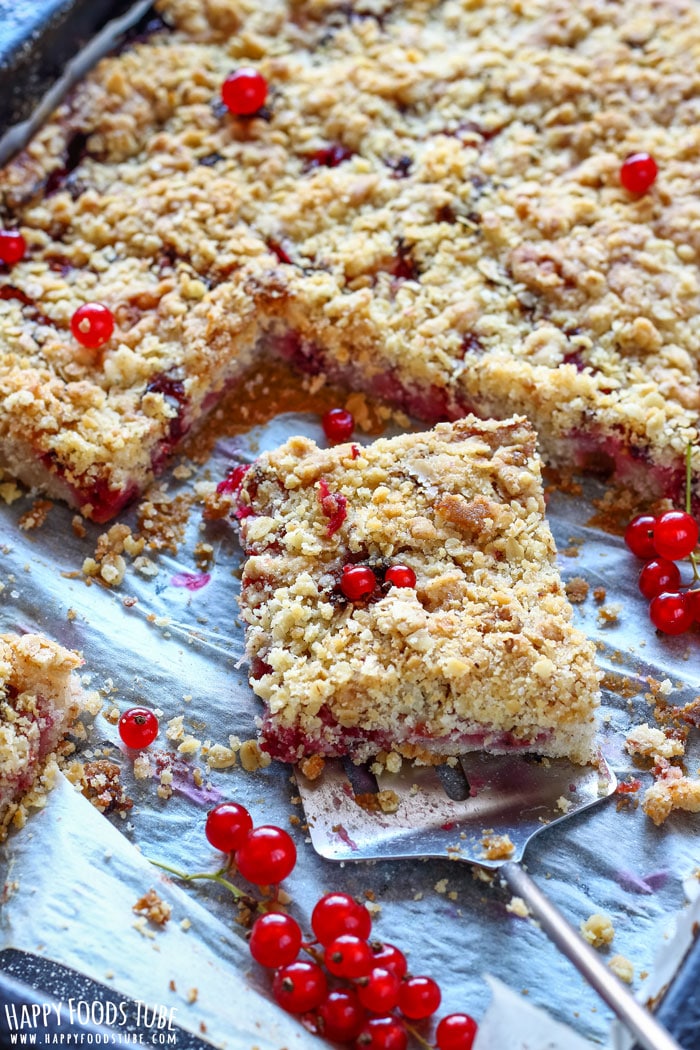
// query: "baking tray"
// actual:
[[37, 42]]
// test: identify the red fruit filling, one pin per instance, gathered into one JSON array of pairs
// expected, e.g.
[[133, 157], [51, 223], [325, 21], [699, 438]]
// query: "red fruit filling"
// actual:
[[333, 505]]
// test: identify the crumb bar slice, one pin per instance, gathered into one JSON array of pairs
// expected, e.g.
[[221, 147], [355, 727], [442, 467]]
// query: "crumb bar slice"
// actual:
[[480, 653], [39, 700]]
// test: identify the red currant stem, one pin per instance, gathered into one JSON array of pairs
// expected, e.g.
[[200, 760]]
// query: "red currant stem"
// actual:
[[416, 1034], [211, 876], [314, 953]]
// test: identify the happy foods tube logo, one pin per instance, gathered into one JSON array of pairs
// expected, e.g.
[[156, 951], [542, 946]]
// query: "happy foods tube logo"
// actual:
[[84, 1022]]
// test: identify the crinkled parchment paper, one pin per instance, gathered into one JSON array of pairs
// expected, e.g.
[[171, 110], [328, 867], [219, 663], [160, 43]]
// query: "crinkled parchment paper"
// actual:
[[180, 650]]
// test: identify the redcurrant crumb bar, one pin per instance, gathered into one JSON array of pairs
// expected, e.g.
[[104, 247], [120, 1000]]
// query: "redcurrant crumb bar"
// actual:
[[478, 653], [39, 700], [434, 204]]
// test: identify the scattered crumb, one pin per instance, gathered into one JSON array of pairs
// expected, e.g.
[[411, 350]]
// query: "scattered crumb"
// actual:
[[599, 594], [252, 758], [577, 589], [142, 767], [101, 785], [441, 886], [37, 514], [564, 804], [671, 790], [497, 847], [192, 995], [154, 908], [652, 743], [186, 924], [598, 930], [312, 767], [609, 614], [517, 906], [622, 968]]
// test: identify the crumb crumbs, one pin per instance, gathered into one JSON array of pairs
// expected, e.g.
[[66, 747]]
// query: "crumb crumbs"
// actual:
[[598, 930], [622, 968], [517, 906], [155, 909], [497, 847], [252, 758], [599, 594], [609, 614], [577, 589], [36, 516], [312, 767]]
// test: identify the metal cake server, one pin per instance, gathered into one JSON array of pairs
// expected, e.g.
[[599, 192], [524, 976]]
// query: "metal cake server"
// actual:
[[439, 813]]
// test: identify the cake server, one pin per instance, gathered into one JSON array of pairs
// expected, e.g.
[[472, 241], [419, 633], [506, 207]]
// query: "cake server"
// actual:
[[484, 812]]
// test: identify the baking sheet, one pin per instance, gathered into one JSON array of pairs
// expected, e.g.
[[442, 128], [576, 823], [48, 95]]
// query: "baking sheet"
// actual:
[[181, 650]]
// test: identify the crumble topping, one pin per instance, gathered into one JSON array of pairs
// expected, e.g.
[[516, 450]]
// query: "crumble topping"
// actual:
[[472, 248], [480, 653]]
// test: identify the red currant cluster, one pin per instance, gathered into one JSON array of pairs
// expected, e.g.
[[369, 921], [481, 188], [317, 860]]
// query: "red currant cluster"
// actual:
[[350, 989], [662, 541]]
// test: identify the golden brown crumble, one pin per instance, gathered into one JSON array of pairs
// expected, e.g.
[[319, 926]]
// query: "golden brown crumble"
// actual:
[[154, 908], [473, 249], [36, 516], [598, 930], [101, 785], [577, 589]]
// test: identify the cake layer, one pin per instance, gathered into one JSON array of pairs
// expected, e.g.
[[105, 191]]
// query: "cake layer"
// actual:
[[462, 638], [428, 206], [39, 700]]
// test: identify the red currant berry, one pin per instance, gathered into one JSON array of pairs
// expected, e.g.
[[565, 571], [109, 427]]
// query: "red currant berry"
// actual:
[[337, 913], [379, 990], [13, 247], [338, 424], [299, 986], [659, 575], [400, 576], [638, 172], [671, 613], [341, 1016], [275, 939], [92, 325], [382, 1033], [639, 535], [348, 956], [675, 534], [357, 582], [138, 727], [244, 92], [456, 1032], [391, 958], [268, 855], [419, 997], [228, 826]]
